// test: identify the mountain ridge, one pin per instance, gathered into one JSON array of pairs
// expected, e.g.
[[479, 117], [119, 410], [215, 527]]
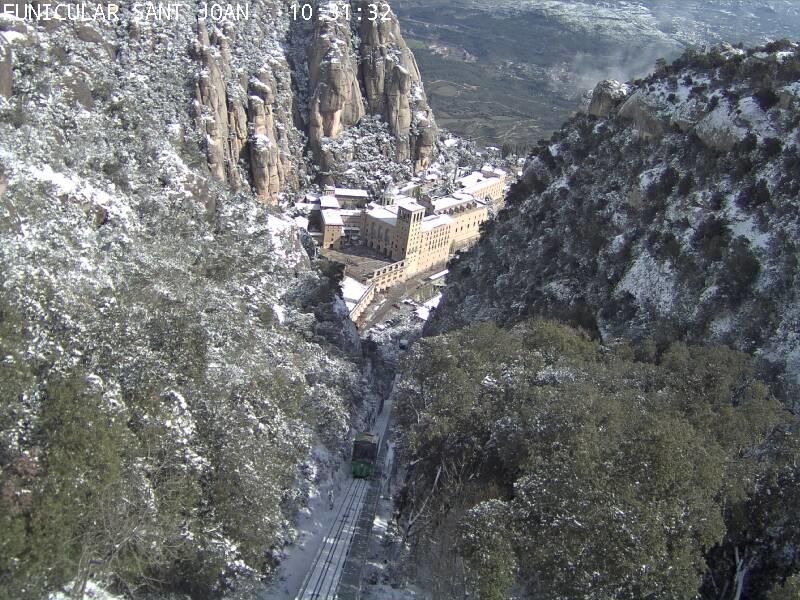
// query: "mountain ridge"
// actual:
[[668, 212]]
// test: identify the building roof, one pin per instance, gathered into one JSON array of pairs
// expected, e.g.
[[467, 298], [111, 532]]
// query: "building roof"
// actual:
[[475, 182], [329, 202], [408, 203], [402, 199], [440, 204], [332, 217], [434, 221], [383, 214], [351, 193], [410, 186], [490, 171], [352, 291], [472, 179]]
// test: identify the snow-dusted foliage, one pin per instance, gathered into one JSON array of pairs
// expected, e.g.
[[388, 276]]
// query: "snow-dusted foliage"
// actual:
[[544, 465], [166, 363], [669, 211], [363, 156]]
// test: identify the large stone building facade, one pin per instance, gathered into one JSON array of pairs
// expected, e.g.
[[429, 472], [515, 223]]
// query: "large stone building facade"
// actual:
[[417, 235]]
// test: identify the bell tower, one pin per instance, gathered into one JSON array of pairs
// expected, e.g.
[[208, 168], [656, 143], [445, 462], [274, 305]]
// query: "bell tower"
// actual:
[[407, 234]]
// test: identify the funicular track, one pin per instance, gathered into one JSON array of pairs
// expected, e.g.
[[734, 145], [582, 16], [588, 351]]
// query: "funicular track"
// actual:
[[323, 578]]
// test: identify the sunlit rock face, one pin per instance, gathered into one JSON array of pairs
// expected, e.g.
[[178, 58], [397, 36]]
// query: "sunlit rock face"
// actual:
[[365, 67]]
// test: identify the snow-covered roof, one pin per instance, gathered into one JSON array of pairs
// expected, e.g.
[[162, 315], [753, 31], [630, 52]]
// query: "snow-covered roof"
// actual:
[[351, 193], [352, 291], [471, 179], [476, 179], [408, 204], [434, 302], [440, 204], [438, 275], [434, 221], [490, 171], [332, 217], [411, 185], [329, 202], [424, 311], [382, 213], [401, 199]]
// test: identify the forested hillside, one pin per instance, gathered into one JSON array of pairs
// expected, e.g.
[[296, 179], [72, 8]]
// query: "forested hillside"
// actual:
[[641, 443], [578, 470], [669, 210], [175, 373]]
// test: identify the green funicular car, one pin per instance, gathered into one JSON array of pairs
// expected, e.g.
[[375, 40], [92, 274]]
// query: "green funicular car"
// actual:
[[365, 451]]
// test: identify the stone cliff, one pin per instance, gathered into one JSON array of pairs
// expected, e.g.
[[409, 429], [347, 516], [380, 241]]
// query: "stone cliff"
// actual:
[[393, 89], [365, 67], [251, 113], [335, 103], [234, 119]]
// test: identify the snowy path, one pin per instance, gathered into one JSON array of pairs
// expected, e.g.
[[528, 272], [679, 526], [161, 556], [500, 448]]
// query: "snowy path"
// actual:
[[325, 534], [323, 578]]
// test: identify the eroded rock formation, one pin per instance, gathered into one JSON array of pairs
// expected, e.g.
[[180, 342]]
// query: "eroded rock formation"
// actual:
[[5, 68], [234, 120], [393, 88], [606, 97], [354, 68], [645, 112], [381, 79], [267, 162], [336, 101]]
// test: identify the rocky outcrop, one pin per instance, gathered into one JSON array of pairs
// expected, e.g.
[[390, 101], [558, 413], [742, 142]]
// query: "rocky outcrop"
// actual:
[[6, 67], [686, 236], [719, 131], [393, 88], [643, 110], [336, 101], [383, 79], [234, 121], [268, 164], [606, 97], [213, 108]]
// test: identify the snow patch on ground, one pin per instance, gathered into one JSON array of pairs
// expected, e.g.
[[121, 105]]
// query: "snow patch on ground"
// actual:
[[742, 224], [93, 591], [651, 283]]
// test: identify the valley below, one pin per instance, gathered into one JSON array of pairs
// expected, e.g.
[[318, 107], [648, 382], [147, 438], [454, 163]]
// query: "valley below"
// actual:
[[510, 72]]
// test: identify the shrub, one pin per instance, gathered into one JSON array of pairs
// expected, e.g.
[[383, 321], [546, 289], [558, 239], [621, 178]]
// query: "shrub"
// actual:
[[712, 237], [753, 196], [766, 98], [685, 184], [741, 269], [772, 147]]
